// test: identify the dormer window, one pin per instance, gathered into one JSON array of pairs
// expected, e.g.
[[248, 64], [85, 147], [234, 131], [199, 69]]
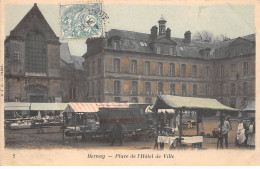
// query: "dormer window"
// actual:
[[159, 49], [171, 51], [116, 45]]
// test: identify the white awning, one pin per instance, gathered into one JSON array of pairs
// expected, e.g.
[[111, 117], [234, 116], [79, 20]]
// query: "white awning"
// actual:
[[12, 106]]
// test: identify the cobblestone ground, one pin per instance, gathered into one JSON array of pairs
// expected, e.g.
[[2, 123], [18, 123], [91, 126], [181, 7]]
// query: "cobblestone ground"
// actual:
[[52, 138]]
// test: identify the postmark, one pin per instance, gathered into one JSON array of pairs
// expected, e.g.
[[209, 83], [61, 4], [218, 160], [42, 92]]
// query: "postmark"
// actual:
[[82, 21]]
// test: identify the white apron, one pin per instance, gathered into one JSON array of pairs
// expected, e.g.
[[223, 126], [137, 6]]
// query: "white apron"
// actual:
[[241, 136]]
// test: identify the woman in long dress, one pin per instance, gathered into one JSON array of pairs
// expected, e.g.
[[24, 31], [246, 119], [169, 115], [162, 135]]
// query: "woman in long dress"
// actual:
[[241, 133], [251, 133]]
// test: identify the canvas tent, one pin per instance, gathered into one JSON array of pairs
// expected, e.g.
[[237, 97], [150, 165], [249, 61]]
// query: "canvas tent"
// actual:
[[15, 106], [34, 106], [248, 109], [181, 104]]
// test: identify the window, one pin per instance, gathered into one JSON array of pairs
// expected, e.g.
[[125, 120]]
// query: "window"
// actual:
[[93, 70], [93, 88], [222, 71], [160, 68], [183, 70], [88, 68], [194, 88], [172, 69], [170, 50], [117, 87], [99, 89], [233, 70], [207, 90], [207, 71], [72, 93], [116, 45], [172, 89], [221, 89], [117, 99], [160, 88], [194, 71], [99, 66], [148, 100], [147, 87], [245, 68], [17, 56], [135, 87], [184, 89], [133, 66], [134, 100], [244, 100], [35, 52], [147, 68], [245, 88], [159, 49], [232, 102], [233, 88], [116, 65]]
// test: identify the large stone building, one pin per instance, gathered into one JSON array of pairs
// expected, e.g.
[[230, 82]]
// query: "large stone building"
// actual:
[[136, 67], [38, 68]]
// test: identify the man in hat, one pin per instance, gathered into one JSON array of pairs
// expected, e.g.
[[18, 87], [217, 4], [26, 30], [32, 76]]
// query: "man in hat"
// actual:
[[117, 133], [225, 125]]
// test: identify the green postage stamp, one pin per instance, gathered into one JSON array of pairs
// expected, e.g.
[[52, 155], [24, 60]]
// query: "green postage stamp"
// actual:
[[81, 21]]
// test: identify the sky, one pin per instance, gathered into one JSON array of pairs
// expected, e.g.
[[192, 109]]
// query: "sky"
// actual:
[[230, 20]]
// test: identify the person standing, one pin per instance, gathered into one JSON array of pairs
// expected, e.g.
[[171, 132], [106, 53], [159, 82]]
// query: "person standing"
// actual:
[[251, 133], [117, 133], [241, 134], [225, 129]]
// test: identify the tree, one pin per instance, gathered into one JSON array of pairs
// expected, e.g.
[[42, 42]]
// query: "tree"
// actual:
[[206, 36]]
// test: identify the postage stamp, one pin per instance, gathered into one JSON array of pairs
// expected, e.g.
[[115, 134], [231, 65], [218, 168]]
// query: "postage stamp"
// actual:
[[81, 21]]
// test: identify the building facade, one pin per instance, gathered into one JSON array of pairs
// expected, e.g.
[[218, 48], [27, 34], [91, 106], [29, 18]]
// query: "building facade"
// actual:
[[36, 68], [128, 66]]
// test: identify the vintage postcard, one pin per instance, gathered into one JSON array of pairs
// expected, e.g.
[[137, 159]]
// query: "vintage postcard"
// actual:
[[110, 82]]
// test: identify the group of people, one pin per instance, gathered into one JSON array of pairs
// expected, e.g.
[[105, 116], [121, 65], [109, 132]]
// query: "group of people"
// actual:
[[245, 133]]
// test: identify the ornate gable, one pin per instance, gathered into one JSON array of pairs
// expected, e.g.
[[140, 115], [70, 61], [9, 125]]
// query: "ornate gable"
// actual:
[[34, 20]]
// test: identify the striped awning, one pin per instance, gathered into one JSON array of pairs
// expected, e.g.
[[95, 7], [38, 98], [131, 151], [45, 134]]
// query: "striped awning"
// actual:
[[93, 107], [82, 107]]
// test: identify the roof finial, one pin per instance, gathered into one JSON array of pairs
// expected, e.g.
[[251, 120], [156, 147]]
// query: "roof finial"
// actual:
[[161, 17]]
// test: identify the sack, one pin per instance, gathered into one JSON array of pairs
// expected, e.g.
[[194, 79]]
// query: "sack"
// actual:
[[216, 132]]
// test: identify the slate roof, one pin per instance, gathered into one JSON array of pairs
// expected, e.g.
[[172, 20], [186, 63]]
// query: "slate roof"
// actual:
[[130, 41], [68, 60], [78, 62]]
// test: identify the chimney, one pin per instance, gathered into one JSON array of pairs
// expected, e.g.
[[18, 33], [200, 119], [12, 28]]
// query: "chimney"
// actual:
[[168, 33], [154, 32], [187, 37]]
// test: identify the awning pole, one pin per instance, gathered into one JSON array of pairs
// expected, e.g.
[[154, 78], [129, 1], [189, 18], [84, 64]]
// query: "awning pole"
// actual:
[[180, 133], [63, 126], [75, 124], [221, 124], [197, 124]]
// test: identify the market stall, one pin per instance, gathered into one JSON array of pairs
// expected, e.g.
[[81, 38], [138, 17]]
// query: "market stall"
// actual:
[[182, 104], [82, 119], [248, 110]]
